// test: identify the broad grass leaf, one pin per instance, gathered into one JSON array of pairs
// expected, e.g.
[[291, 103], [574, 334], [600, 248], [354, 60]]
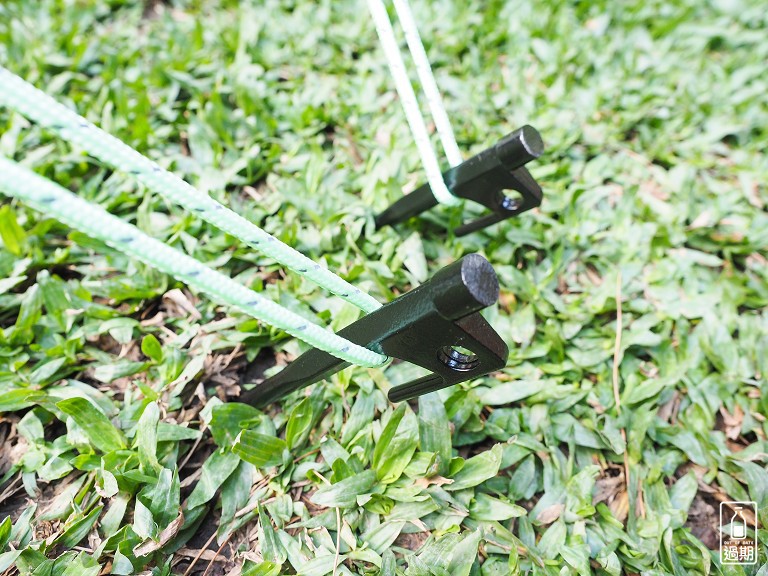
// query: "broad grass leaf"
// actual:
[[686, 441], [217, 468], [508, 392], [97, 427], [344, 494], [341, 469], [579, 489], [423, 464], [388, 564], [757, 482], [681, 495], [146, 438], [399, 450], [320, 565], [435, 430], [387, 434], [259, 449], [396, 445], [732, 487], [12, 235], [264, 568], [577, 555], [228, 420], [360, 416], [190, 371], [8, 559], [54, 469], [412, 510], [56, 299], [485, 507], [234, 495], [298, 423], [20, 398], [164, 537], [151, 348], [22, 527], [30, 313], [45, 373], [435, 556], [62, 503], [648, 389], [82, 565], [281, 509], [125, 562], [381, 537], [464, 554], [610, 563], [332, 451], [271, 548], [165, 497], [719, 345], [167, 432], [477, 469], [5, 531], [522, 326], [121, 329], [418, 567], [77, 529], [157, 505], [609, 432], [107, 373], [7, 284], [112, 519], [553, 539]]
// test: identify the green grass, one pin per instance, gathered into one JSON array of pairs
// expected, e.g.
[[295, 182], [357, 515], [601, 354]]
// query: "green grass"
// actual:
[[119, 453]]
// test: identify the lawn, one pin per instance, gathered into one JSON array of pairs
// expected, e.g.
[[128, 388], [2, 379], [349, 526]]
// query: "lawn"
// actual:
[[634, 300]]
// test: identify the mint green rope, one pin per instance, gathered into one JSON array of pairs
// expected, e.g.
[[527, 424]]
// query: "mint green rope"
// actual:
[[52, 199], [36, 105]]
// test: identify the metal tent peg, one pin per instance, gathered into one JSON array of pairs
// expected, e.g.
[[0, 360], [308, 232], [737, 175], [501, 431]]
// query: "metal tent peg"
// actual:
[[483, 179], [437, 326]]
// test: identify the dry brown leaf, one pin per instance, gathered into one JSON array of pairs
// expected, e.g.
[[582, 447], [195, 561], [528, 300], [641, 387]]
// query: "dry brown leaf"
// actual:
[[177, 303], [619, 506], [433, 481], [668, 412], [550, 514], [195, 553], [703, 220], [607, 488], [593, 275], [732, 422]]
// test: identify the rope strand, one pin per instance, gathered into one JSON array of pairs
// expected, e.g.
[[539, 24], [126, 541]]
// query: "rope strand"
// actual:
[[36, 105], [428, 82], [50, 198], [410, 104]]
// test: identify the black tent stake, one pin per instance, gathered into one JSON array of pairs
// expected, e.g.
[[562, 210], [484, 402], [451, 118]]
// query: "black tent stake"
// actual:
[[429, 326], [483, 178]]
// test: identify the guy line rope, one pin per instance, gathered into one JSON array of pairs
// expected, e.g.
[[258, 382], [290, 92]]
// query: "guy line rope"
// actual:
[[52, 199]]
